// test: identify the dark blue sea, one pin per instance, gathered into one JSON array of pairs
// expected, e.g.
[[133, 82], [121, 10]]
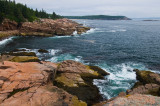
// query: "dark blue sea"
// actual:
[[116, 46]]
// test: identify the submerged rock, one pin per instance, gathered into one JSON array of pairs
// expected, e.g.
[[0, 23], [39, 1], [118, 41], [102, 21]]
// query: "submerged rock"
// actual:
[[20, 53], [42, 51]]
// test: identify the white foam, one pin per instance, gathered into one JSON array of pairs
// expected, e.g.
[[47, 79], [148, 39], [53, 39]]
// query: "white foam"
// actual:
[[122, 30], [92, 30], [6, 41], [64, 57], [112, 31], [75, 33], [55, 37], [53, 51], [121, 78]]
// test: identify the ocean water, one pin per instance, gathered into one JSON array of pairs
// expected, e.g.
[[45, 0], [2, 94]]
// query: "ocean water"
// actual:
[[116, 46]]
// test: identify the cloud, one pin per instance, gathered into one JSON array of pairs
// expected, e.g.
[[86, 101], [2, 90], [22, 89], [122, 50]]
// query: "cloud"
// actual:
[[130, 8]]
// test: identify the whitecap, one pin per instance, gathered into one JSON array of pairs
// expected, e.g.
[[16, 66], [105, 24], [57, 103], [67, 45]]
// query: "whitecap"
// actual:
[[55, 37], [92, 30], [63, 57], [51, 53], [75, 33], [122, 30], [112, 31], [6, 41], [121, 78]]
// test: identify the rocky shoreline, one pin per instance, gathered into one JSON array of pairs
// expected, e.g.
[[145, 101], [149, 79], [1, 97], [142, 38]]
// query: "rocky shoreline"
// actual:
[[41, 27], [145, 92], [26, 80]]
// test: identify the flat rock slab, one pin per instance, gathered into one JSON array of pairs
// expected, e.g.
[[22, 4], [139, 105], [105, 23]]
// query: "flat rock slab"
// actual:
[[135, 100], [15, 77]]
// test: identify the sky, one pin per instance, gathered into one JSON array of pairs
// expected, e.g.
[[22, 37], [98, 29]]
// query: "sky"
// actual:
[[129, 8]]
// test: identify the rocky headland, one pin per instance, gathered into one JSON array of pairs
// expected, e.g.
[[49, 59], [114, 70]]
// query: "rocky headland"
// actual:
[[26, 80], [41, 27]]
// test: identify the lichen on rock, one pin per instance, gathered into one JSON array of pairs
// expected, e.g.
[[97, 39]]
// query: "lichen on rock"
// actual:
[[77, 79]]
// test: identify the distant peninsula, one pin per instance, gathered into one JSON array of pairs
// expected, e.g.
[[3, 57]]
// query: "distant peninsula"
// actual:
[[99, 17]]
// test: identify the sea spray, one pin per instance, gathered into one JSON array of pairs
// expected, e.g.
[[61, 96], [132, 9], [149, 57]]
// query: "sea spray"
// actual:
[[6, 41], [121, 78]]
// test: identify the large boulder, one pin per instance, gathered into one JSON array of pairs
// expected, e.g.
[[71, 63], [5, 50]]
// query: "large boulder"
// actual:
[[147, 77], [77, 79], [148, 83]]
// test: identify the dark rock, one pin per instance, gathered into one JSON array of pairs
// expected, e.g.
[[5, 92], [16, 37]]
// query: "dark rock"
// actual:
[[146, 77], [20, 54], [42, 51], [149, 83], [99, 70], [25, 59]]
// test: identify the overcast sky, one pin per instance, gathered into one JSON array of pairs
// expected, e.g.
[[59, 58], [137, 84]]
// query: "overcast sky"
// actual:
[[129, 8]]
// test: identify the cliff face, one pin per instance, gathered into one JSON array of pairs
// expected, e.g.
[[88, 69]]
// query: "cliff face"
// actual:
[[42, 27]]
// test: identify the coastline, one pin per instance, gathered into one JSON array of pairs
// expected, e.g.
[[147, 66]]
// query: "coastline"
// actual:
[[68, 79], [41, 28], [62, 79]]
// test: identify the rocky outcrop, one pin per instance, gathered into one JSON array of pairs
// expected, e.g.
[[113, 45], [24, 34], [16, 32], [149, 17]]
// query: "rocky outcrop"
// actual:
[[49, 27], [148, 83], [9, 33], [8, 25], [133, 100], [26, 82], [145, 92], [41, 27], [19, 56], [76, 78], [16, 77], [146, 77]]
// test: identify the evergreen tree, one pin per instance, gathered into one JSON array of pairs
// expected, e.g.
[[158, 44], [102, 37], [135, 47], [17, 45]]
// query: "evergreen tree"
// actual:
[[19, 12], [1, 17]]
